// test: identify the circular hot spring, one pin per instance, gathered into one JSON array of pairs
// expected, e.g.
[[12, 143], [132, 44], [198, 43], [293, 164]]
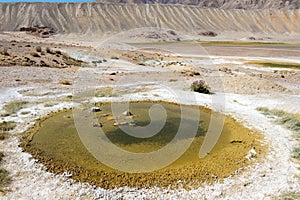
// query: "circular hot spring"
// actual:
[[55, 142]]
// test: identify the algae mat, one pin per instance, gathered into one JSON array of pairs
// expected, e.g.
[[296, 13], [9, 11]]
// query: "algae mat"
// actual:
[[56, 144]]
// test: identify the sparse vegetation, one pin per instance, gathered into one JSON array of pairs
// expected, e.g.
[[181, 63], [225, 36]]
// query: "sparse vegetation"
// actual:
[[1, 156], [289, 121], [296, 153], [290, 196], [70, 61], [14, 106], [47, 105], [276, 64], [2, 135], [4, 179], [25, 112], [96, 61], [104, 92], [7, 126], [239, 43], [200, 86]]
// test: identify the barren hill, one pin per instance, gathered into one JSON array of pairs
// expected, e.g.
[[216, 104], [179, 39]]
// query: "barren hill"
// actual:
[[103, 18], [226, 4]]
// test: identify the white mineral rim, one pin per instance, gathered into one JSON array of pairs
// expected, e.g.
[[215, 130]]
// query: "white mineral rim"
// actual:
[[266, 180]]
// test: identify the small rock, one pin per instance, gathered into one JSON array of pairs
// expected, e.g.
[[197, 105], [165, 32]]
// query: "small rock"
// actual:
[[97, 125], [96, 109], [127, 113], [132, 124], [214, 176]]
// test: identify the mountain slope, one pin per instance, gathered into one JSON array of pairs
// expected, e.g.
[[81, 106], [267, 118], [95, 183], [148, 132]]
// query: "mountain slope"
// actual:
[[226, 4], [103, 18]]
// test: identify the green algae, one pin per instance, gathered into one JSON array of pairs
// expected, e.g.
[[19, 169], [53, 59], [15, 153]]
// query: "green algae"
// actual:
[[55, 142]]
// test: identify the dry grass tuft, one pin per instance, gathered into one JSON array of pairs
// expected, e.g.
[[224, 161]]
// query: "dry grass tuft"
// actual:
[[14, 106], [288, 120], [4, 179]]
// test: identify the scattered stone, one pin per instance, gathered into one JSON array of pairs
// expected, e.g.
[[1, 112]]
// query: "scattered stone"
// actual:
[[96, 109], [226, 70], [236, 141], [65, 82], [132, 124], [43, 64], [38, 49], [208, 34], [25, 64], [171, 32], [214, 176], [252, 154], [97, 124], [4, 52], [40, 31], [34, 54], [127, 113]]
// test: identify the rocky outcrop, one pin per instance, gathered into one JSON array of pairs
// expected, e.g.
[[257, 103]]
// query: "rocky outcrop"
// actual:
[[41, 31], [101, 18]]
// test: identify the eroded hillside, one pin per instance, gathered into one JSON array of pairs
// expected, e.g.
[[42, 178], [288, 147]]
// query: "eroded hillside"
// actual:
[[103, 18], [227, 4]]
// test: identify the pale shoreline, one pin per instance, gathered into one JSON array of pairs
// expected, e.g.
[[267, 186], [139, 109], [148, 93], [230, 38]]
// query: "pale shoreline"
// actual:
[[271, 172]]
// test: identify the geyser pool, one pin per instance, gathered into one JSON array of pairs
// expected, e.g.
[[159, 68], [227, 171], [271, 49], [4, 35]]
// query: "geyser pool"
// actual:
[[54, 141]]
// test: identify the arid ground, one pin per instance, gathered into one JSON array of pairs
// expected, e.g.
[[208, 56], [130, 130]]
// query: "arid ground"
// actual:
[[253, 77]]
